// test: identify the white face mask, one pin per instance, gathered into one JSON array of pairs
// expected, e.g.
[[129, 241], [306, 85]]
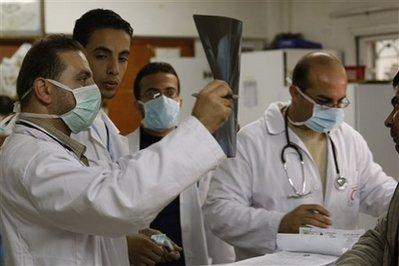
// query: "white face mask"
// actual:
[[88, 103]]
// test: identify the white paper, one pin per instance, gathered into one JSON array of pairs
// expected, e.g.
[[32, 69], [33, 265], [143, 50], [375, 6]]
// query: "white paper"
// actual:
[[250, 93], [289, 258], [355, 234], [320, 244]]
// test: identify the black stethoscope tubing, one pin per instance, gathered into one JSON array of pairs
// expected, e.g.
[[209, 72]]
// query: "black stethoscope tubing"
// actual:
[[297, 149]]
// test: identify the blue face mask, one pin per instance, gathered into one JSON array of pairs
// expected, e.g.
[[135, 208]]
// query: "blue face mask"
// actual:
[[160, 114], [324, 118]]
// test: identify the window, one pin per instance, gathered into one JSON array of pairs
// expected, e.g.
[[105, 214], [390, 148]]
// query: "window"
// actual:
[[380, 55]]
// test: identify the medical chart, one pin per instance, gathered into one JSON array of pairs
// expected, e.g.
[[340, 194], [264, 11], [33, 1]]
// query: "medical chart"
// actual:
[[321, 241], [289, 258]]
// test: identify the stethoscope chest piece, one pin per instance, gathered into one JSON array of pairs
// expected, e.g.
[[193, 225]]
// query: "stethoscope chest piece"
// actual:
[[341, 183]]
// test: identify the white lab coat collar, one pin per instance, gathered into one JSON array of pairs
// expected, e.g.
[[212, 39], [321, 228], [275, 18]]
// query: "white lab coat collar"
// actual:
[[100, 118], [119, 146], [274, 119], [134, 141], [122, 144], [111, 126], [95, 137], [274, 122]]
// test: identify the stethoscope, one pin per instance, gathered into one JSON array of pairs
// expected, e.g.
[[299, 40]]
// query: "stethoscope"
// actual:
[[340, 182]]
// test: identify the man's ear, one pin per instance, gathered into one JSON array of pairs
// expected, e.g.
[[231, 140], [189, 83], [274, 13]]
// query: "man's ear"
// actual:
[[42, 90]]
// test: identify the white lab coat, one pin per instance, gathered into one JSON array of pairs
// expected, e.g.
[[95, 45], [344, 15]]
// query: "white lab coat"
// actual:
[[248, 194], [55, 211], [191, 218], [96, 149]]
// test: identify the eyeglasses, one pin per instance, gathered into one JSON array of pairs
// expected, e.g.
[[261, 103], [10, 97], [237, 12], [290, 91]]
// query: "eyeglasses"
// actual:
[[155, 93], [343, 103]]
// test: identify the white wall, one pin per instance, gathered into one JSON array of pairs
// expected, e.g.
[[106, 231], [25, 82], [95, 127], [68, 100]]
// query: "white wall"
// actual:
[[160, 18], [262, 19], [313, 19]]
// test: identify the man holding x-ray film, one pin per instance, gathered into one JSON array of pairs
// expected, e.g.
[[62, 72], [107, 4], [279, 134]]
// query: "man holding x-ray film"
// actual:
[[298, 165]]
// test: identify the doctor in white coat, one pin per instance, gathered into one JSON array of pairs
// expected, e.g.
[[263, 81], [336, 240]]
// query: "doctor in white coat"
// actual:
[[157, 93], [253, 197], [57, 209], [106, 38]]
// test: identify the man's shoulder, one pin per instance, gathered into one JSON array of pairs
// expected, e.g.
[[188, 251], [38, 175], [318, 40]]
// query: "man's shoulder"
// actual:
[[252, 128], [253, 134], [19, 149], [348, 132]]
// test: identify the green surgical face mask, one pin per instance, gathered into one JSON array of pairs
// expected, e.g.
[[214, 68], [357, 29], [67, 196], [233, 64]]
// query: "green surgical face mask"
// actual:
[[88, 102]]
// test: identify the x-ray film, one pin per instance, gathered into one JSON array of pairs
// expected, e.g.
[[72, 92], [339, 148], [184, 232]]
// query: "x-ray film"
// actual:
[[221, 39]]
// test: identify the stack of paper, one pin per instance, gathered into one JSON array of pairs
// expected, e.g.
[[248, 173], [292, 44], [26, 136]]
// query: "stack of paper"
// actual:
[[312, 246], [289, 258], [321, 241]]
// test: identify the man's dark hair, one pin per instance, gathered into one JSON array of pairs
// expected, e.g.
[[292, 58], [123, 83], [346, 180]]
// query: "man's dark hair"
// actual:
[[98, 19], [395, 81], [6, 105], [300, 75], [153, 68], [42, 60]]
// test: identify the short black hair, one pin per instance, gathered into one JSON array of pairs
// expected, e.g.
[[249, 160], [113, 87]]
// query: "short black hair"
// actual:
[[6, 105], [42, 60], [395, 81], [300, 75], [153, 68], [97, 19]]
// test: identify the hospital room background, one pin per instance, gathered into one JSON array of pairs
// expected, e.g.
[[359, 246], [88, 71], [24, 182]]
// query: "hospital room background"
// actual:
[[363, 34]]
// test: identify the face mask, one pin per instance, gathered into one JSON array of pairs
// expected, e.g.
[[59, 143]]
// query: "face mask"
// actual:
[[88, 102], [161, 114], [7, 124], [323, 119]]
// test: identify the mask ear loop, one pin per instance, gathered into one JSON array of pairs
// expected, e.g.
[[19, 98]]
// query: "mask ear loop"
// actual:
[[60, 85], [17, 105], [156, 96], [289, 81]]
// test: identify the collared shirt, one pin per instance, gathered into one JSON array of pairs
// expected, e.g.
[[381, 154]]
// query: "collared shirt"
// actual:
[[76, 147]]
